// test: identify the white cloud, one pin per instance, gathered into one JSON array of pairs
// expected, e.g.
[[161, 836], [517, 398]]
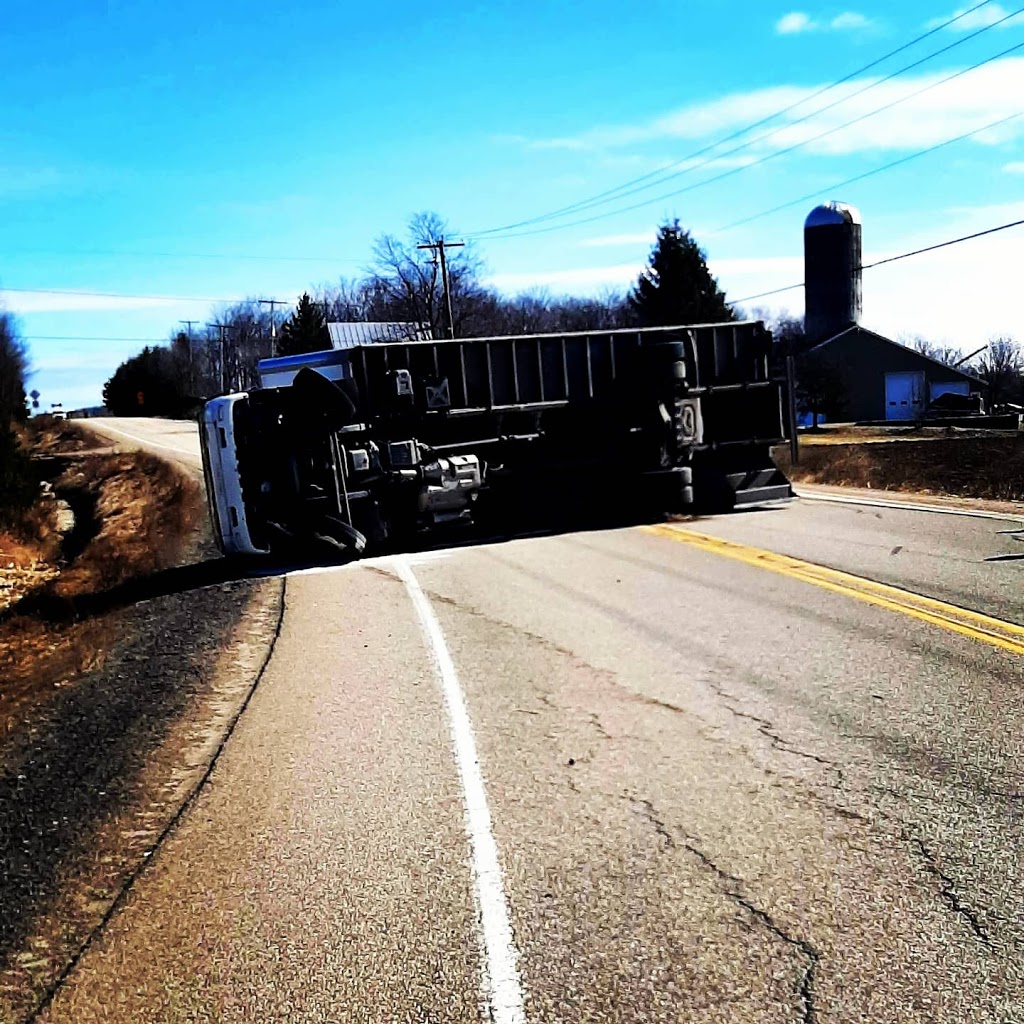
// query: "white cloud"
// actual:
[[797, 22], [981, 18], [975, 218], [746, 274], [794, 22], [849, 21], [29, 302], [946, 110], [1014, 167], [925, 295], [579, 278], [787, 265], [82, 361]]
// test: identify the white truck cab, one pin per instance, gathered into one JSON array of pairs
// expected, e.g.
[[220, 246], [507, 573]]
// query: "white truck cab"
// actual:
[[223, 481]]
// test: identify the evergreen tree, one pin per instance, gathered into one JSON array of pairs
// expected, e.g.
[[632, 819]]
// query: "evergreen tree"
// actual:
[[305, 330], [18, 484], [148, 384], [13, 372], [677, 287]]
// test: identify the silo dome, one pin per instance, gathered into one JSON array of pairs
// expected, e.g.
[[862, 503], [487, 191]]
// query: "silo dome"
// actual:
[[832, 270], [832, 213]]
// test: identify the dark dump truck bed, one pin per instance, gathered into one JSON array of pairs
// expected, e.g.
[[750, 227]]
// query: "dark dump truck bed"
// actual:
[[405, 436]]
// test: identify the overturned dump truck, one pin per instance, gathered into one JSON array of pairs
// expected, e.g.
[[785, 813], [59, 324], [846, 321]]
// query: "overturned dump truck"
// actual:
[[372, 447]]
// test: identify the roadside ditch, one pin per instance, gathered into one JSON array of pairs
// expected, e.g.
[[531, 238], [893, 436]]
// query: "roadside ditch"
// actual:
[[115, 692]]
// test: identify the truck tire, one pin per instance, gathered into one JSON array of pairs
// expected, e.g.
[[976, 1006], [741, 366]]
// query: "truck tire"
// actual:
[[668, 357], [670, 490], [320, 395], [347, 536]]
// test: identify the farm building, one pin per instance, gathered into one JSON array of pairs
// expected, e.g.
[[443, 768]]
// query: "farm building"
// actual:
[[881, 379], [865, 375]]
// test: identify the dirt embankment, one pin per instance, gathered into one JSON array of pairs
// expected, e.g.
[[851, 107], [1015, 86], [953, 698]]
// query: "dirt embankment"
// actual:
[[967, 467], [122, 668], [102, 519]]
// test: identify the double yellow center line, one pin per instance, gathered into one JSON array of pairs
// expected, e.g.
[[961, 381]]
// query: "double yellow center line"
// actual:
[[1007, 636]]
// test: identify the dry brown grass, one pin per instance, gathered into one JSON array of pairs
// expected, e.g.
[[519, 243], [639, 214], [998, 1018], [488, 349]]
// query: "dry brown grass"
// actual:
[[48, 436], [988, 467], [144, 513], [145, 510]]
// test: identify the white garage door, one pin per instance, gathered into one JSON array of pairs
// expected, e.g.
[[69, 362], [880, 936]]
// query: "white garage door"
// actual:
[[904, 395], [949, 388]]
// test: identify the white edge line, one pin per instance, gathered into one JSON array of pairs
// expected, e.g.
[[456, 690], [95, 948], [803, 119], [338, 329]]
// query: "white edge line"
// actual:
[[147, 442], [907, 506], [375, 562], [501, 971]]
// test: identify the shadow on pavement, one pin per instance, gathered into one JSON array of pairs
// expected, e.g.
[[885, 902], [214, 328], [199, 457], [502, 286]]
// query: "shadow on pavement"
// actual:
[[214, 571]]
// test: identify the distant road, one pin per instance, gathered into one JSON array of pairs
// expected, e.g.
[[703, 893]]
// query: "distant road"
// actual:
[[177, 440], [760, 767]]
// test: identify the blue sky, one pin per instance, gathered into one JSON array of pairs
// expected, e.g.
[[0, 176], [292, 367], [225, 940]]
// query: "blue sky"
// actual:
[[217, 151]]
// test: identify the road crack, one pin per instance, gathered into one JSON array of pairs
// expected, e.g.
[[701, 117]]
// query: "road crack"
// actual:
[[730, 889], [948, 890], [647, 811], [767, 729]]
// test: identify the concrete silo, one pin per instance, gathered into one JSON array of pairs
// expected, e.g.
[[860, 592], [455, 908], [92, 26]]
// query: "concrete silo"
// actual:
[[832, 275]]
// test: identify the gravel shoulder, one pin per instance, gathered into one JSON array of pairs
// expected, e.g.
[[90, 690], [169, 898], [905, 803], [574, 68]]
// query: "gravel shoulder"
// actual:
[[121, 677]]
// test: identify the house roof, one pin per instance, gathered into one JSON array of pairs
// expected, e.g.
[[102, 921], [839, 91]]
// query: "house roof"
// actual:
[[365, 332], [888, 341]]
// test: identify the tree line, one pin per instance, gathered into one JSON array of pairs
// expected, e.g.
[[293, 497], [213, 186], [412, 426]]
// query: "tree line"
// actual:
[[16, 485], [404, 286]]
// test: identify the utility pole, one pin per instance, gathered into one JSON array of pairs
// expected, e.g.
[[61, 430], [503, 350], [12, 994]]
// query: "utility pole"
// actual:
[[273, 323], [189, 323], [222, 328], [191, 375], [439, 247]]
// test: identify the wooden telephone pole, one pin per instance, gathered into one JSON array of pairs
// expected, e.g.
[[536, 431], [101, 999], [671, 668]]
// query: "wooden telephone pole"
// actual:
[[439, 247], [273, 323], [222, 328]]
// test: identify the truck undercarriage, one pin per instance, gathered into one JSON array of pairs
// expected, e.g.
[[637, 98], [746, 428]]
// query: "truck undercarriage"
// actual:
[[422, 437]]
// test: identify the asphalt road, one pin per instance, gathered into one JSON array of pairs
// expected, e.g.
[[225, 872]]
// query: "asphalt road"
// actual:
[[630, 775], [174, 440]]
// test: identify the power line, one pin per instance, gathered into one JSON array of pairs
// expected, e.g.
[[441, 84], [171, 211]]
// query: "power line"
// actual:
[[732, 302], [943, 245], [84, 293], [764, 295], [867, 174], [615, 193], [769, 156], [146, 254], [821, 110], [82, 337], [890, 259]]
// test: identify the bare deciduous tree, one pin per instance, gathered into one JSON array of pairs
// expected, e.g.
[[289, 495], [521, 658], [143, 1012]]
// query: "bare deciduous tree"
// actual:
[[945, 354], [406, 280], [1001, 367]]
